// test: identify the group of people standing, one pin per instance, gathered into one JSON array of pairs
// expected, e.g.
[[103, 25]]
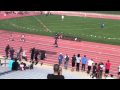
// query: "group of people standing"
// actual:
[[37, 54], [20, 53], [94, 69]]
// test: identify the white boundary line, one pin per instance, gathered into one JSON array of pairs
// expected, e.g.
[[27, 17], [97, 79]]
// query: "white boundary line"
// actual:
[[45, 27]]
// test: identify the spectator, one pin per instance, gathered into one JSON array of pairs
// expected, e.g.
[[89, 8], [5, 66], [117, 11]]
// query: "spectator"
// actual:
[[32, 53], [25, 66], [19, 51], [66, 60], [119, 72], [78, 59], [56, 73], [107, 67], [84, 60], [12, 53], [22, 66], [36, 55], [7, 48], [24, 56], [60, 71], [10, 64], [100, 70], [73, 62], [94, 71], [31, 65], [42, 56], [90, 63], [15, 65], [60, 58]]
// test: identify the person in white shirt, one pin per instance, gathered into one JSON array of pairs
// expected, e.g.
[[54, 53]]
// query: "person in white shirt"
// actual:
[[22, 38], [62, 17], [24, 56], [90, 63], [78, 60]]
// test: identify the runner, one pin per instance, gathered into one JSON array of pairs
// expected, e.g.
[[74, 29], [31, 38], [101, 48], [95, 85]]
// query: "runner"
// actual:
[[22, 38], [102, 25], [56, 40], [62, 17], [11, 37]]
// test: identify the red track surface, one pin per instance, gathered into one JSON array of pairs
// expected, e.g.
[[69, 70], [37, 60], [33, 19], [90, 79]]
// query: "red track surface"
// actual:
[[99, 52]]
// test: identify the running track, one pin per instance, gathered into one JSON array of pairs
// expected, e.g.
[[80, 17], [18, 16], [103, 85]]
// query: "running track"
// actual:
[[99, 52]]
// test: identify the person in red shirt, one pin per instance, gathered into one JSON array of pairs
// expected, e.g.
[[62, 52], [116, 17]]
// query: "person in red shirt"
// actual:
[[107, 67]]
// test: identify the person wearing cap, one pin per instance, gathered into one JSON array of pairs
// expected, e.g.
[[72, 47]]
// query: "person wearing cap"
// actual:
[[57, 73]]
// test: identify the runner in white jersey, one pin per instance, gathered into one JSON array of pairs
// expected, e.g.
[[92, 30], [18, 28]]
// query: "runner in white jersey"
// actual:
[[11, 38], [22, 38]]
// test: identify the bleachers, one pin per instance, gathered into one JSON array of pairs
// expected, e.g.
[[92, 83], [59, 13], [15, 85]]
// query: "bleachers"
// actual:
[[41, 73]]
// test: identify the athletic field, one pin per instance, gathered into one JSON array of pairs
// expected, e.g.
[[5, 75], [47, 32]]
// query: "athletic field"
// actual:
[[87, 29]]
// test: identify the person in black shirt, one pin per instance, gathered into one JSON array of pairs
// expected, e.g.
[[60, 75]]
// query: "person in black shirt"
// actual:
[[57, 74], [73, 62], [42, 56], [7, 50], [32, 53], [36, 55], [15, 65], [94, 71], [12, 53]]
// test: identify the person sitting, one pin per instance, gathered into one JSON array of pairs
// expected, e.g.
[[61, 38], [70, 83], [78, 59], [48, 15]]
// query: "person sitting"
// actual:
[[22, 66], [57, 73], [25, 66], [15, 65], [31, 65], [10, 64]]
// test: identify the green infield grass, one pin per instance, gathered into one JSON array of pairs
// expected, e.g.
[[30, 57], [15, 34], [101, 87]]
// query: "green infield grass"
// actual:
[[87, 29]]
